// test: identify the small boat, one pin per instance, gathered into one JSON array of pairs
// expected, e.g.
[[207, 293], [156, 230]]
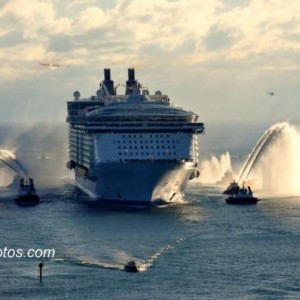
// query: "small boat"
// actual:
[[27, 192], [131, 267], [242, 196]]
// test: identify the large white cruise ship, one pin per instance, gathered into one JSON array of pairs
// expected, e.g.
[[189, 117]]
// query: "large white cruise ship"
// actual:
[[135, 148]]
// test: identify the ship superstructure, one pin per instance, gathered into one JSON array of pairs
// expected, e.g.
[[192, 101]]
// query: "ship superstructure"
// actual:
[[135, 148]]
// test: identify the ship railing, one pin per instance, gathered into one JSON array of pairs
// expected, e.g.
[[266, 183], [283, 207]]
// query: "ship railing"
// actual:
[[164, 124], [108, 119], [167, 160]]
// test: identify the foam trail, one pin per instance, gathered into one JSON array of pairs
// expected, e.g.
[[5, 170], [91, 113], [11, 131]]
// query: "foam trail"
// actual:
[[144, 265], [90, 262]]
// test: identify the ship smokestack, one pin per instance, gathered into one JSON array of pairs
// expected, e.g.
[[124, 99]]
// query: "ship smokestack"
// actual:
[[131, 83], [108, 83], [107, 74], [131, 76]]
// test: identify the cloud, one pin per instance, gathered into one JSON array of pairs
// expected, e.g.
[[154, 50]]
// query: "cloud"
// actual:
[[75, 3], [30, 17], [218, 39], [88, 19], [158, 33]]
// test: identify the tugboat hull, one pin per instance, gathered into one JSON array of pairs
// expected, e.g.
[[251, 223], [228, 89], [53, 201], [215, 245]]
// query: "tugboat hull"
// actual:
[[27, 199], [241, 201]]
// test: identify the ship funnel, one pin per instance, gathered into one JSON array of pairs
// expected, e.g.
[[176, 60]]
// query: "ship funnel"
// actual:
[[108, 84], [131, 76], [131, 83], [107, 74]]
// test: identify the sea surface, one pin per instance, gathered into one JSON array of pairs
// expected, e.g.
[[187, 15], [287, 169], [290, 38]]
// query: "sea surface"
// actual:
[[200, 249]]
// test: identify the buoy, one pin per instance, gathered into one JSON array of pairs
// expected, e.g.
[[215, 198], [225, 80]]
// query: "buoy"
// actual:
[[41, 265]]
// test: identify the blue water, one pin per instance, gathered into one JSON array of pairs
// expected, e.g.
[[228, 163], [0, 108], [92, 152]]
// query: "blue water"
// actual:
[[202, 249]]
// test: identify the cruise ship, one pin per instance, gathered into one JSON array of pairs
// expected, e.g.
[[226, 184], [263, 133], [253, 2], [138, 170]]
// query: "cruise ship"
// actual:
[[137, 148]]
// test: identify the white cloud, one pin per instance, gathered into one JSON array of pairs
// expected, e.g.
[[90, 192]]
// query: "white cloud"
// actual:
[[88, 19], [32, 17], [159, 35], [75, 3], [253, 29]]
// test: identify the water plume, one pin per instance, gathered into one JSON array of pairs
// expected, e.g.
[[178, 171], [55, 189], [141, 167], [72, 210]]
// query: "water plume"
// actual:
[[8, 159], [273, 166], [213, 170], [11, 168]]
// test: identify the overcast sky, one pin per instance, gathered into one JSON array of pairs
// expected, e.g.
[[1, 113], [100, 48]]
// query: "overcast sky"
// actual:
[[218, 58]]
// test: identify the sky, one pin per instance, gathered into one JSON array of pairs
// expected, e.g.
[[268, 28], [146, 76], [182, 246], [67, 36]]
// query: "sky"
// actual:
[[218, 58]]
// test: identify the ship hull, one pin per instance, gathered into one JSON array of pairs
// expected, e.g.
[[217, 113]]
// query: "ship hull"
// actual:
[[137, 183]]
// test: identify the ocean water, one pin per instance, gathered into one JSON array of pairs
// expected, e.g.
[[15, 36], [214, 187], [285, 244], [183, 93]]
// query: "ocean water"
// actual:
[[200, 249]]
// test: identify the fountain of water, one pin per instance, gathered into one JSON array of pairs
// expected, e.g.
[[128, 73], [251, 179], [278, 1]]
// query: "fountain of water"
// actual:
[[11, 167], [213, 170], [273, 166]]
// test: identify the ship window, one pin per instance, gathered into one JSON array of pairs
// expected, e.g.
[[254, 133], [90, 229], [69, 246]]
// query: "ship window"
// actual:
[[130, 147], [120, 153], [136, 153], [147, 153], [151, 135], [135, 147], [173, 141], [142, 147], [146, 147], [119, 147], [129, 142], [124, 147], [146, 142], [174, 147], [129, 136], [157, 147], [174, 153], [123, 136], [119, 142], [158, 153], [125, 153]]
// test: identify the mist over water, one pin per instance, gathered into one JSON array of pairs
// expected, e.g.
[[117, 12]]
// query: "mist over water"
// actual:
[[39, 150]]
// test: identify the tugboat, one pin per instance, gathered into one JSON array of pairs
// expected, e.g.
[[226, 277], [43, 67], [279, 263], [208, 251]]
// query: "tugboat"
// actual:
[[27, 193], [131, 267], [242, 196]]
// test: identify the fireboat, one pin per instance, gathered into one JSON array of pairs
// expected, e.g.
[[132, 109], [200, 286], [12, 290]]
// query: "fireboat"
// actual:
[[27, 193]]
